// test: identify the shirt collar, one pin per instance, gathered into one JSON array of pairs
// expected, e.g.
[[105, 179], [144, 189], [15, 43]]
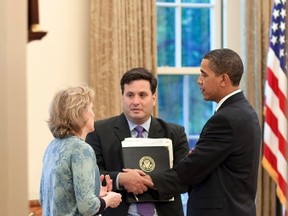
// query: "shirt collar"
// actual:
[[225, 98], [145, 125]]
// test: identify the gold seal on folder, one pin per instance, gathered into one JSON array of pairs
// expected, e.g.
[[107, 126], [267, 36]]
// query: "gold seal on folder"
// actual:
[[147, 164]]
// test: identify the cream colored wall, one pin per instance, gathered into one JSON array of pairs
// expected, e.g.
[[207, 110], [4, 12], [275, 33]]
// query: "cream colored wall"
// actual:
[[59, 60], [13, 127]]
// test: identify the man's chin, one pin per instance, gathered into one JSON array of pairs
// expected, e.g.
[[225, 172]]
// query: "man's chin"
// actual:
[[136, 117], [206, 98]]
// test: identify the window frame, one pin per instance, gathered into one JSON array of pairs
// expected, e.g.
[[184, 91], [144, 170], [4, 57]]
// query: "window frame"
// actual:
[[228, 15], [216, 17]]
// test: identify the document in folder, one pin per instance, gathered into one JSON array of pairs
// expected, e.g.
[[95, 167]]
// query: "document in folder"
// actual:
[[151, 155]]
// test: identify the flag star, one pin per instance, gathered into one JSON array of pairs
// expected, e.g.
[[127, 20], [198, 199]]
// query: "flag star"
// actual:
[[283, 13], [273, 40], [274, 26], [282, 39], [282, 26], [275, 13]]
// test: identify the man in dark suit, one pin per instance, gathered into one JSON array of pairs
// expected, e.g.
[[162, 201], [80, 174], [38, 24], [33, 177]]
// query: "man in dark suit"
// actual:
[[222, 168], [139, 98]]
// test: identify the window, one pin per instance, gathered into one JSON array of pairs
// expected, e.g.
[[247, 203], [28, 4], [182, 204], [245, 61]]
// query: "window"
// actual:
[[186, 30]]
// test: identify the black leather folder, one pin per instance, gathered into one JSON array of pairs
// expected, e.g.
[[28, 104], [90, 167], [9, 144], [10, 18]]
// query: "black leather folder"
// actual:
[[150, 157]]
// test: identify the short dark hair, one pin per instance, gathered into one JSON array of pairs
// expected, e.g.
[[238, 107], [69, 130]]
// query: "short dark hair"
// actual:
[[226, 61], [139, 73]]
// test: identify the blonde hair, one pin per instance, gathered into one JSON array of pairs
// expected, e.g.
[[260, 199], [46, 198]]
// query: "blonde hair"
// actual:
[[67, 109]]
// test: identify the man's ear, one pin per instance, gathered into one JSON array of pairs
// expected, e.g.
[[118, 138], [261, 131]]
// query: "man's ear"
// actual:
[[154, 97], [225, 79]]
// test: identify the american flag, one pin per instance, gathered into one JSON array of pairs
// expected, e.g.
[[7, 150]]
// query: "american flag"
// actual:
[[275, 103]]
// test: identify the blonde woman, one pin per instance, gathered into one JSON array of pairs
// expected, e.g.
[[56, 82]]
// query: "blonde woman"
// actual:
[[70, 182]]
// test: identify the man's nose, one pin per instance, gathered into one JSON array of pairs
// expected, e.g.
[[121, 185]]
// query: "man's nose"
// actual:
[[136, 99], [199, 80]]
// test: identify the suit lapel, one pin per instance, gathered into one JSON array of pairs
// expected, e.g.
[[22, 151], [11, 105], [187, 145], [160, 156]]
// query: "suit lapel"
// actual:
[[156, 130], [121, 128]]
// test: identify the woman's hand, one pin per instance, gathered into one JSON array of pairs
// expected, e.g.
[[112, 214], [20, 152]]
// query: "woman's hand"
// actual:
[[108, 187], [112, 199]]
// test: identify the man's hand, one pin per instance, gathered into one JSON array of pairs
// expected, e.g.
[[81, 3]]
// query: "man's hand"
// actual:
[[148, 177], [134, 181]]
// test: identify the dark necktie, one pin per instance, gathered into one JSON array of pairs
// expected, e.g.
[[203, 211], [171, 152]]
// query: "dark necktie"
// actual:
[[144, 209]]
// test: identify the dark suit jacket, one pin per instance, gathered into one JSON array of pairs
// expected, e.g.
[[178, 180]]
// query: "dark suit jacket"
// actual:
[[106, 141], [222, 168]]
